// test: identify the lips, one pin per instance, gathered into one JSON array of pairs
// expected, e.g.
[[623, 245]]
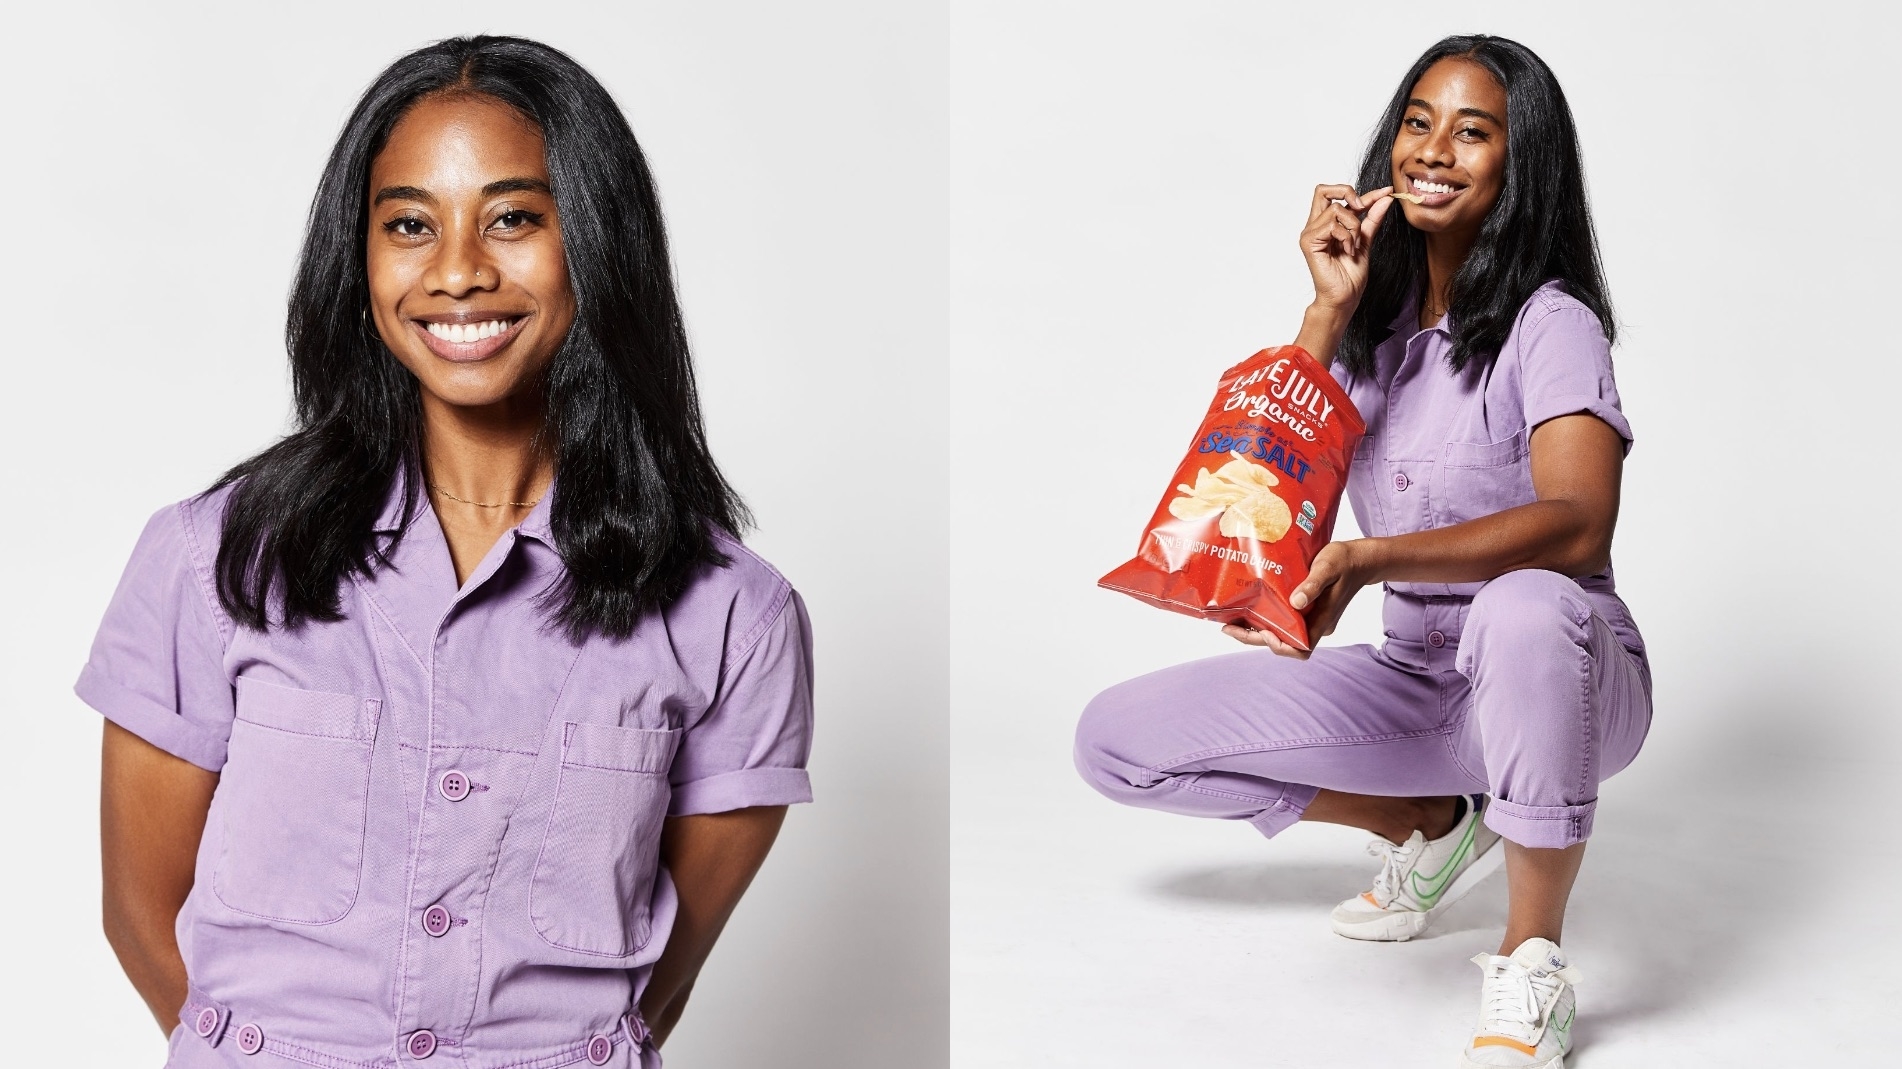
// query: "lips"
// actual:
[[464, 338]]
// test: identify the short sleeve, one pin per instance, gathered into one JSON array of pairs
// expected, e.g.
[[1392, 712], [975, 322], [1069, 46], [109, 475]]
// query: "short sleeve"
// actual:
[[1565, 368], [157, 663], [749, 748]]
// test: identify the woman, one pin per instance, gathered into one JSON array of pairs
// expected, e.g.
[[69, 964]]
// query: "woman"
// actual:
[[458, 720], [1471, 327]]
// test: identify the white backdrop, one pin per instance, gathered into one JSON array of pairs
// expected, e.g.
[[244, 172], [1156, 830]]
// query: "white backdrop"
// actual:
[[1128, 181], [159, 161]]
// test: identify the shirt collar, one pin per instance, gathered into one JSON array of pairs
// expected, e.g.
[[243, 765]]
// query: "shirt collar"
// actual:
[[407, 488]]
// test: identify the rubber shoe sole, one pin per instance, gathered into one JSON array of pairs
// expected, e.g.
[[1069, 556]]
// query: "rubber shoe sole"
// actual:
[[1400, 925], [1557, 1062]]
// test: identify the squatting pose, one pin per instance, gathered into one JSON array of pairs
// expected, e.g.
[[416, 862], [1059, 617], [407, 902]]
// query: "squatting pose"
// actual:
[[1458, 299]]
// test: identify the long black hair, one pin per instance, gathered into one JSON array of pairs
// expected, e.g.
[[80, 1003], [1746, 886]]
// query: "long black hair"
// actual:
[[636, 488], [1539, 230]]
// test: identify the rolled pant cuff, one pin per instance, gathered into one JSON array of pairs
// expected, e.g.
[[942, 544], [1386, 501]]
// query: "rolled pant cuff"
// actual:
[[1283, 815], [1552, 827]]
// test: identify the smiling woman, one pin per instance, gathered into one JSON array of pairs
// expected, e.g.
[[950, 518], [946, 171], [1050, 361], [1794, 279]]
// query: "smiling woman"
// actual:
[[1472, 333], [485, 607]]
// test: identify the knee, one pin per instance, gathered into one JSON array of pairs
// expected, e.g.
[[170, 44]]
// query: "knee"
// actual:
[[1530, 608], [1106, 734]]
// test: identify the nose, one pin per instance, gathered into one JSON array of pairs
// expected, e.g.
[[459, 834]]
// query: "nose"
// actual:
[[461, 264], [1436, 150]]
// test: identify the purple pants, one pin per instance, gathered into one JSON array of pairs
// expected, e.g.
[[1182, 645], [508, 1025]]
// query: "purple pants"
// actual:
[[1532, 691]]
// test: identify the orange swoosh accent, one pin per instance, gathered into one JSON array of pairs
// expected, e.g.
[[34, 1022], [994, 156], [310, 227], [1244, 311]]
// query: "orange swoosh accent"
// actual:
[[1371, 900], [1502, 1041]]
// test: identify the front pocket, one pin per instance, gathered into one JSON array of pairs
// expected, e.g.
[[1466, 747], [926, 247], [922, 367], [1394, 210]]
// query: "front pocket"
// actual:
[[594, 878], [292, 800], [1480, 478]]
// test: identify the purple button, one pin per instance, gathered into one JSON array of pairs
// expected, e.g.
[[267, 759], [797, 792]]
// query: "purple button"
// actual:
[[1400, 480], [421, 1044], [250, 1039], [600, 1049], [453, 785], [1436, 639], [636, 1029], [436, 923], [207, 1022]]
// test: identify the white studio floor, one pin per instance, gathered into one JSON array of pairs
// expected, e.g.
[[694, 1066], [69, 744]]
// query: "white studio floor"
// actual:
[[1732, 912]]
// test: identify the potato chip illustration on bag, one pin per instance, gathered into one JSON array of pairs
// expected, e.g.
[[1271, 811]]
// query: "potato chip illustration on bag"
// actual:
[[1224, 544], [1243, 492]]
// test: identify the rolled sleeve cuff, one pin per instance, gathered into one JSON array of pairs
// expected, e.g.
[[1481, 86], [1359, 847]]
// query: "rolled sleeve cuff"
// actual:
[[740, 790], [150, 721], [1592, 406], [1545, 827]]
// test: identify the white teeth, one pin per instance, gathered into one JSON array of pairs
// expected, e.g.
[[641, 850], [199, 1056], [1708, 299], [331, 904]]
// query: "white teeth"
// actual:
[[465, 333], [1431, 187]]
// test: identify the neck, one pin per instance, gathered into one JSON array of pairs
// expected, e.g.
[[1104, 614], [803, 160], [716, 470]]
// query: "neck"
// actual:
[[1444, 255], [492, 454]]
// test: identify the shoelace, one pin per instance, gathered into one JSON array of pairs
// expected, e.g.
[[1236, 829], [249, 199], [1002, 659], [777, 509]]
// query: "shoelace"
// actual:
[[1512, 998], [1396, 862]]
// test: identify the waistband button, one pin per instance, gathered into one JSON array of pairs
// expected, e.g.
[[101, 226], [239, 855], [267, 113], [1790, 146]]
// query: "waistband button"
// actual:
[[422, 1044], [250, 1039], [1436, 639], [207, 1022], [600, 1049]]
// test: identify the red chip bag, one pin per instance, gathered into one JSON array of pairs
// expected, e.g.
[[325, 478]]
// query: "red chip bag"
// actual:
[[1254, 500]]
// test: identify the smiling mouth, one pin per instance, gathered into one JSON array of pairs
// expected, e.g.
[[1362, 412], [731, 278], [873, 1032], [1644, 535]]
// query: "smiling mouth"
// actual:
[[472, 340], [1433, 194]]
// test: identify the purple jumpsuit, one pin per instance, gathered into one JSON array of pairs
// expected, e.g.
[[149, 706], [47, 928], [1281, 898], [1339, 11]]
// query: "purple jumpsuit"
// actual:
[[435, 834], [1532, 687]]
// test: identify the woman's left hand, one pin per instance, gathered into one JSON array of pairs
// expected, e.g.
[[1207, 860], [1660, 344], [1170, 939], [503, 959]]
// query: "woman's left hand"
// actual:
[[1339, 572]]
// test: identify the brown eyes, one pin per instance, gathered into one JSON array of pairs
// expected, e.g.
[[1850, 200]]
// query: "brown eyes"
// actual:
[[1419, 125], [409, 226]]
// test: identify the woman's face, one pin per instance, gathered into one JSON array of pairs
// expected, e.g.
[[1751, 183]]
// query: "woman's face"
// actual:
[[1451, 148], [467, 281]]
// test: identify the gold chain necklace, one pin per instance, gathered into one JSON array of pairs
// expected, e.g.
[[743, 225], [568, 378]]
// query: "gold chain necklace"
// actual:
[[484, 504]]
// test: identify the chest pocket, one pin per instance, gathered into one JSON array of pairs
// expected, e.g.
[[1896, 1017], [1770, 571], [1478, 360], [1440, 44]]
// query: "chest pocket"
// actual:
[[594, 876], [1479, 479], [292, 800]]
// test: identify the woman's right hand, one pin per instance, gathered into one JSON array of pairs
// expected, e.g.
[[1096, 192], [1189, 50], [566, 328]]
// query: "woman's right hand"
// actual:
[[1340, 231]]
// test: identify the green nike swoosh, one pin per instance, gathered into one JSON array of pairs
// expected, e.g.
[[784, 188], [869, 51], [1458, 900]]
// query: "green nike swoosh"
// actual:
[[1429, 892], [1567, 1026]]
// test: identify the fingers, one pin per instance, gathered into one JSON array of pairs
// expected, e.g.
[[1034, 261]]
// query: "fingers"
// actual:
[[1282, 649], [1326, 195], [1247, 636], [1322, 576], [1252, 637], [1344, 219], [1375, 214]]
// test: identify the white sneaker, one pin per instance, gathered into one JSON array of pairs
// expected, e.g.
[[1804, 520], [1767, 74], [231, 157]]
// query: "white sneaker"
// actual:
[[1421, 878], [1526, 1007]]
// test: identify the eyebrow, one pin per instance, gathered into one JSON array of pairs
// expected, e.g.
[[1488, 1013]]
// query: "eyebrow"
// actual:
[[516, 185], [402, 193], [493, 189], [1477, 113]]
